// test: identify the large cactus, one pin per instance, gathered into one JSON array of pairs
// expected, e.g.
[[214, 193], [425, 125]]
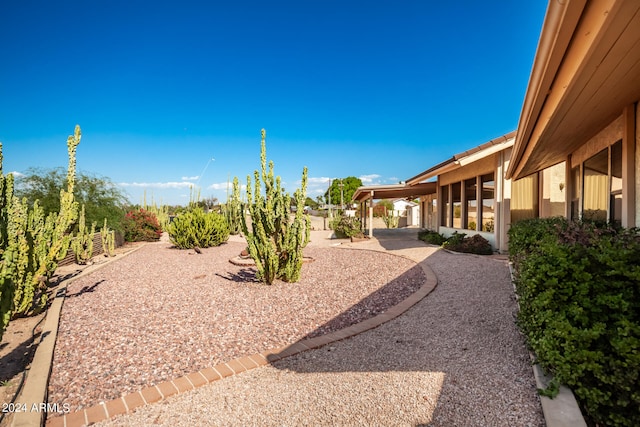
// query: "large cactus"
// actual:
[[7, 249], [275, 242], [30, 245]]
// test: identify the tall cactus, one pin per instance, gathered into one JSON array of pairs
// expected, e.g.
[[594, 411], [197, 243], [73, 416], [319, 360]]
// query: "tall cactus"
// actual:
[[275, 243], [30, 245], [233, 209], [7, 249]]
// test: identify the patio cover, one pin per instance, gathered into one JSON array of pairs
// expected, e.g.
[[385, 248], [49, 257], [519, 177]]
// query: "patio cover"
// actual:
[[394, 191]]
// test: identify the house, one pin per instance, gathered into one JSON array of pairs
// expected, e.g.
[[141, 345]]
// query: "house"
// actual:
[[407, 211], [471, 195], [580, 114]]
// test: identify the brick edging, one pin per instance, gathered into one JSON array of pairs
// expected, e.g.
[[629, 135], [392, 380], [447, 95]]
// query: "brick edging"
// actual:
[[156, 393], [34, 391]]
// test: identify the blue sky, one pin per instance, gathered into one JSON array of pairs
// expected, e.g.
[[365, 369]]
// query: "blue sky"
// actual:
[[376, 89]]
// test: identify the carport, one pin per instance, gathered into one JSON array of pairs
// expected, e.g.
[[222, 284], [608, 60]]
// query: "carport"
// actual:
[[367, 194]]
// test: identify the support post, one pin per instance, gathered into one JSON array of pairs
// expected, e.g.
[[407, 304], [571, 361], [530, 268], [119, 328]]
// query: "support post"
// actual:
[[371, 214]]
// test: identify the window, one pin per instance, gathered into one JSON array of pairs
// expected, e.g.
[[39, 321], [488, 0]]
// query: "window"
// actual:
[[524, 198], [457, 205], [596, 180], [445, 214], [601, 186], [575, 193], [488, 202], [471, 197], [464, 207], [615, 215]]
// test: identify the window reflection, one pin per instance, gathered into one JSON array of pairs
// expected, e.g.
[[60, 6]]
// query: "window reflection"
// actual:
[[457, 205], [616, 183], [488, 202], [444, 220], [471, 196], [596, 191]]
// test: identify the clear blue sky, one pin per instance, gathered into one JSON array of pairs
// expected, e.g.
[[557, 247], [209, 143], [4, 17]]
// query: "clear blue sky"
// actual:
[[381, 90]]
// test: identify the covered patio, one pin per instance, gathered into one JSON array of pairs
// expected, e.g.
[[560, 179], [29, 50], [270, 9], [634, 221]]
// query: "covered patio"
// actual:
[[367, 194]]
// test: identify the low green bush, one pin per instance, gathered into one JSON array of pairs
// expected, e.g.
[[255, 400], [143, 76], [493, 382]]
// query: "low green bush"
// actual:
[[431, 237], [141, 226], [475, 244], [579, 294], [346, 226], [457, 242], [197, 228]]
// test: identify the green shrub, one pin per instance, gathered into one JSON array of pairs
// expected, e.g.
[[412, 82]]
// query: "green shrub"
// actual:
[[458, 242], [431, 237], [197, 228], [454, 242], [346, 226], [579, 294], [475, 244], [141, 226]]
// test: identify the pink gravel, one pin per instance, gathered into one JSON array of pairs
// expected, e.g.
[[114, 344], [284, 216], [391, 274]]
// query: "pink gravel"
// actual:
[[160, 313]]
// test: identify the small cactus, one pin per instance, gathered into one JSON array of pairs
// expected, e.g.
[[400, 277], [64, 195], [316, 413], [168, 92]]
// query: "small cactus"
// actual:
[[82, 244], [233, 209], [108, 240]]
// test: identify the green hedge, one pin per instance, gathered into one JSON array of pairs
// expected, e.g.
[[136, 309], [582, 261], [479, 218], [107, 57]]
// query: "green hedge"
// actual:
[[579, 295], [458, 242], [197, 228]]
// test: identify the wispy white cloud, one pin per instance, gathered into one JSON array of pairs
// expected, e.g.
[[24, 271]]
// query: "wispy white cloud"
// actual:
[[223, 186], [316, 185], [370, 179], [190, 178], [318, 180], [170, 184], [17, 174]]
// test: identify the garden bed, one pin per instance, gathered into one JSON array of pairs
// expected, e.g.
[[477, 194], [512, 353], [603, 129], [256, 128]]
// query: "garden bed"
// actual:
[[161, 313]]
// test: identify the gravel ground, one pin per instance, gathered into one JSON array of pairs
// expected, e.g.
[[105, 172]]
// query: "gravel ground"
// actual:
[[161, 313], [455, 359]]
